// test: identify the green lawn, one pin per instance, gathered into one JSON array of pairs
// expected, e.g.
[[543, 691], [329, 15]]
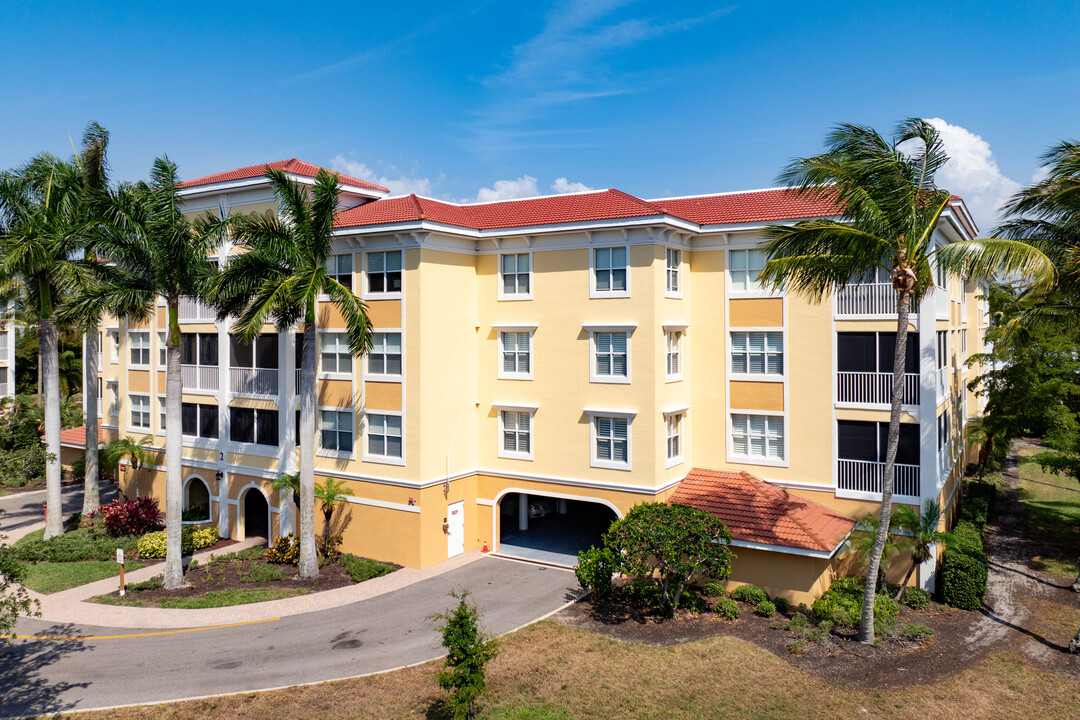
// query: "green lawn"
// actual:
[[49, 577], [1052, 505], [212, 599]]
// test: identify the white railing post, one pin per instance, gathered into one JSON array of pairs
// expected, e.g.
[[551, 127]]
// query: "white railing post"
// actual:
[[865, 477]]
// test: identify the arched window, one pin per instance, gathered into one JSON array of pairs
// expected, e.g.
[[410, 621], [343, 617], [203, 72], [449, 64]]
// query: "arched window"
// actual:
[[196, 500]]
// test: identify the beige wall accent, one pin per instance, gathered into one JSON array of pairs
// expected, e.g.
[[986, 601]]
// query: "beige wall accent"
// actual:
[[138, 324], [160, 382], [139, 381], [257, 403], [757, 396], [384, 313], [382, 396], [330, 316], [871, 415], [756, 312], [335, 393]]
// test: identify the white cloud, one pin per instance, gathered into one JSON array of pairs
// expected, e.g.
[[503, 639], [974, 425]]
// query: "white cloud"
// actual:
[[562, 186], [973, 173], [524, 186], [398, 186]]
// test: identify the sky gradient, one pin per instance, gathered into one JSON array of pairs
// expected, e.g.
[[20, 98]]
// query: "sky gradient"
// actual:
[[484, 100]]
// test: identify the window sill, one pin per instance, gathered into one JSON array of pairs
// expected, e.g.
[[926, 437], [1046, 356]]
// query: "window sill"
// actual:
[[508, 376], [673, 295], [602, 294], [747, 460], [515, 456], [383, 378], [609, 465], [334, 376], [757, 377], [672, 462], [138, 366], [383, 296], [336, 454], [514, 298], [609, 381], [673, 378], [384, 460]]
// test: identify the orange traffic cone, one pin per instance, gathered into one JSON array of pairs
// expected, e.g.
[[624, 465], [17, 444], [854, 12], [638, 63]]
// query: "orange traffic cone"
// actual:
[[485, 548]]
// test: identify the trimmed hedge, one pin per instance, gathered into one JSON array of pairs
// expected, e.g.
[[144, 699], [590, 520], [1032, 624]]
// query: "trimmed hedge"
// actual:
[[153, 545], [842, 604], [727, 609], [750, 594], [964, 566]]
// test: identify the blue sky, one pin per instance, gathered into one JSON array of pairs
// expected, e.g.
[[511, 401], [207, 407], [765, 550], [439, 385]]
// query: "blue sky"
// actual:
[[463, 100]]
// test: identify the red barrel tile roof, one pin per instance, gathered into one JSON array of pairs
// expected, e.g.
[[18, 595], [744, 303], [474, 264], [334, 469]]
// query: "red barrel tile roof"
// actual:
[[74, 436], [743, 207], [758, 512], [293, 166]]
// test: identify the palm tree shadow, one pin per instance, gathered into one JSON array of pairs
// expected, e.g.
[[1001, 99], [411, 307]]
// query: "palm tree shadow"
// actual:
[[24, 689], [1034, 636], [1005, 568]]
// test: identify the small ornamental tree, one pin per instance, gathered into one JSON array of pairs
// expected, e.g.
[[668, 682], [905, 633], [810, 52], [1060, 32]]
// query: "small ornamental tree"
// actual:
[[669, 545], [14, 600], [468, 651]]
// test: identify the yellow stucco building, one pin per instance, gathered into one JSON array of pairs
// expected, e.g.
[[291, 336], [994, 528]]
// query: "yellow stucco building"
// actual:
[[542, 365]]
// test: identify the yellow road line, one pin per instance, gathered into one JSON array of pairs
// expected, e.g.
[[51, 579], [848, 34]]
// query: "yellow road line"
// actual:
[[136, 635]]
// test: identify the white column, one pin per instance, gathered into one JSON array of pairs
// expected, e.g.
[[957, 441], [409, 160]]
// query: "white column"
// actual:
[[929, 480], [223, 504], [523, 511]]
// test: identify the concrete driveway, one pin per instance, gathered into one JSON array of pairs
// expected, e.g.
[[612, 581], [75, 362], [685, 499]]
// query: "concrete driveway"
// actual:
[[94, 667], [23, 512]]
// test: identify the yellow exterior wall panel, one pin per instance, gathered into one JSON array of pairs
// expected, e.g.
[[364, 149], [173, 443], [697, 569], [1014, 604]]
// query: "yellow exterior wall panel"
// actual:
[[335, 393], [756, 312], [767, 396], [139, 381], [382, 396], [384, 313]]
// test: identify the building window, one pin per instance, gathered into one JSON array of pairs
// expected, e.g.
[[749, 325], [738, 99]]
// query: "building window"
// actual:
[[384, 272], [757, 437], [163, 351], [516, 434], [963, 343], [612, 446], [516, 354], [249, 425], [942, 348], [384, 436], [162, 415], [673, 258], [334, 348], [385, 356], [199, 420], [609, 270], [869, 352], [674, 354], [114, 345], [99, 396], [114, 390], [140, 411], [336, 429], [3, 382], [943, 431], [757, 353], [868, 441], [610, 350], [339, 267], [140, 347], [516, 275], [199, 349], [745, 267], [674, 436]]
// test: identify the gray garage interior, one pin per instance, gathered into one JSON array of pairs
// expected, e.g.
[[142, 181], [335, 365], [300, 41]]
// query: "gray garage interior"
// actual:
[[555, 529]]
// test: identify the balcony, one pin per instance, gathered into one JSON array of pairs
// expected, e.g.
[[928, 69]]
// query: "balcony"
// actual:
[[867, 299], [199, 377], [865, 477], [254, 381], [194, 311], [874, 388]]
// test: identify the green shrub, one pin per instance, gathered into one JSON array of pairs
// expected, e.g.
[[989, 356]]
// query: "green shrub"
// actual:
[[967, 539], [641, 592], [978, 501], [714, 589], [692, 600], [196, 513], [915, 598], [263, 573], [916, 632], [82, 544], [727, 609], [468, 652], [798, 647], [594, 570], [285, 550], [361, 569], [765, 609], [963, 578], [153, 544], [145, 585], [782, 605], [842, 604], [749, 594]]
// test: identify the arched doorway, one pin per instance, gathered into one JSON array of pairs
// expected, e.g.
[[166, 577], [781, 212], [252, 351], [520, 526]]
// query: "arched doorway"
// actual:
[[196, 507], [254, 515], [550, 529]]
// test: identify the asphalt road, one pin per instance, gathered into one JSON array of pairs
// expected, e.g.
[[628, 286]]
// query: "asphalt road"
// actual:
[[385, 632], [22, 509]]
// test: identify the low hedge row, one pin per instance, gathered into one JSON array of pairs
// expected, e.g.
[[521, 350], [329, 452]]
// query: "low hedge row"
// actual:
[[152, 545], [964, 564]]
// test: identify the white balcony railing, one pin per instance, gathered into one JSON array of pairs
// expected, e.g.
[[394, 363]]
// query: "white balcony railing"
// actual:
[[867, 299], [254, 381], [874, 388], [199, 377], [864, 476], [194, 311]]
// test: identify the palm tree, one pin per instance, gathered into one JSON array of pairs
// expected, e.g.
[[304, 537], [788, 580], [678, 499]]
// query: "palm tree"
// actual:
[[153, 251], [863, 541], [923, 533], [290, 483], [136, 453], [330, 493], [278, 279], [889, 206], [45, 222]]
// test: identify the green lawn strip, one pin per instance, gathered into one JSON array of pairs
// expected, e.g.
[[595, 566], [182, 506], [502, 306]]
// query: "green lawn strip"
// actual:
[[49, 577], [1051, 504], [212, 599]]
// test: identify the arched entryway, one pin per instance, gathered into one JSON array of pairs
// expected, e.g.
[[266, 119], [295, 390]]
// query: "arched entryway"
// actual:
[[254, 518], [196, 507], [548, 528]]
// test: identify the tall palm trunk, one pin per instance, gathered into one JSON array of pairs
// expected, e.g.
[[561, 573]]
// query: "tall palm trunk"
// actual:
[[50, 371], [309, 559], [866, 622], [174, 388], [91, 490]]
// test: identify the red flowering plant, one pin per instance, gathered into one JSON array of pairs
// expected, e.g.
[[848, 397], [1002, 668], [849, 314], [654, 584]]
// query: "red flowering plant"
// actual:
[[128, 517]]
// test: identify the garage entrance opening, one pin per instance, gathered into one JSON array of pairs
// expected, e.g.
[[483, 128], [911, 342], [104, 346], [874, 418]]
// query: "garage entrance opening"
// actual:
[[256, 515], [551, 530]]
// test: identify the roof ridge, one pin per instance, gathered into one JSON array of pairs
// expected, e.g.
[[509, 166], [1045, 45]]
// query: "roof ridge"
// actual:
[[776, 495], [641, 201], [416, 205]]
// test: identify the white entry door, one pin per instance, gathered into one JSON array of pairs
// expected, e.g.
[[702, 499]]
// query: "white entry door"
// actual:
[[455, 534]]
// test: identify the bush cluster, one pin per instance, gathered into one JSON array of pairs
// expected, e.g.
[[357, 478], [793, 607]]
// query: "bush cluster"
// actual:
[[82, 544], [765, 609], [361, 569], [842, 605], [127, 517], [285, 550], [594, 570], [916, 632], [805, 632], [196, 513], [750, 594], [713, 589], [915, 598], [727, 609], [153, 544], [964, 564]]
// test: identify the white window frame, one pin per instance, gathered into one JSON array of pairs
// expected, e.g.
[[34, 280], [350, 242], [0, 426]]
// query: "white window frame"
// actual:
[[162, 416], [131, 412], [503, 295], [594, 459], [132, 348], [112, 335], [163, 350], [365, 454], [366, 360], [749, 291], [673, 273], [517, 410], [502, 373], [336, 374], [327, 452], [754, 459], [367, 294], [747, 375], [676, 421], [613, 379], [333, 271], [677, 353], [593, 291], [114, 406]]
